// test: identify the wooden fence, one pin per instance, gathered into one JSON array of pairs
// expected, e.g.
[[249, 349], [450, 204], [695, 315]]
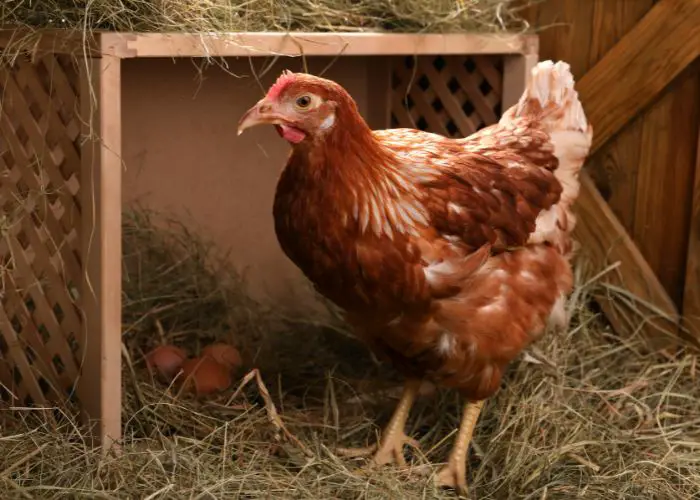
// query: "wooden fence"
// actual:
[[639, 79]]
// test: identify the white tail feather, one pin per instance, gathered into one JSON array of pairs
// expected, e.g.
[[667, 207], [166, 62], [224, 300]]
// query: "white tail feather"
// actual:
[[552, 100]]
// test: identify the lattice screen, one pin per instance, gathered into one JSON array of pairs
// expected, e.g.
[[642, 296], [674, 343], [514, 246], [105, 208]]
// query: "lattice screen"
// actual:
[[40, 265], [450, 95]]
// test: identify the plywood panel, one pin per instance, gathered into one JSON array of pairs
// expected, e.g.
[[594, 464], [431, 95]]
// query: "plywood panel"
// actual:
[[664, 187], [691, 298], [637, 189], [183, 157], [581, 33], [614, 167]]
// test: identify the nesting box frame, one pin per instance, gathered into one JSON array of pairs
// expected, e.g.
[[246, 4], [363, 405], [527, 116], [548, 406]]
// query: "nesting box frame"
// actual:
[[61, 162]]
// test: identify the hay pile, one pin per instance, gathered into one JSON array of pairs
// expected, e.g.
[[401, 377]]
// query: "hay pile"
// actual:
[[267, 15], [584, 415]]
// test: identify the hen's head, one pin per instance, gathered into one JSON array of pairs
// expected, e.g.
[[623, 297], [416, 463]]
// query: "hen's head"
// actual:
[[302, 107]]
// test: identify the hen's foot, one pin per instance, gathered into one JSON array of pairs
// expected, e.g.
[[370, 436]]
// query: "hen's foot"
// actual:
[[454, 474], [390, 448], [390, 451]]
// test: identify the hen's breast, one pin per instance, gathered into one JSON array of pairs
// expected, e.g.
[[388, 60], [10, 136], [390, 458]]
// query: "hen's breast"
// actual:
[[361, 271]]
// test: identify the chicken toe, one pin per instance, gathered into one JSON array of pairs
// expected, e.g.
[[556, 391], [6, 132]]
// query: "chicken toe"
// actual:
[[390, 448], [454, 474]]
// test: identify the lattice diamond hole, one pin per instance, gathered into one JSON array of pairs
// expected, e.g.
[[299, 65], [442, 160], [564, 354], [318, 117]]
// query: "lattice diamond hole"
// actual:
[[31, 355], [468, 108], [439, 63], [58, 364], [44, 385], [451, 127], [16, 324], [45, 335], [453, 85], [485, 87], [469, 65], [423, 83], [58, 312], [437, 105], [72, 342]]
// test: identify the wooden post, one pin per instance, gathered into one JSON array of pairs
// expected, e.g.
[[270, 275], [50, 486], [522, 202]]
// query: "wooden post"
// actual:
[[379, 92], [516, 73], [99, 385], [691, 296]]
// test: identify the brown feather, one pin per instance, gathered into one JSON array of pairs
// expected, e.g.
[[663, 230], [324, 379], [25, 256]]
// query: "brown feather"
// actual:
[[425, 241]]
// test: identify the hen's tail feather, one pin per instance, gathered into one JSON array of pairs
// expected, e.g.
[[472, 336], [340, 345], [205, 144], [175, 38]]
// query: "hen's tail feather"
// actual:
[[551, 99]]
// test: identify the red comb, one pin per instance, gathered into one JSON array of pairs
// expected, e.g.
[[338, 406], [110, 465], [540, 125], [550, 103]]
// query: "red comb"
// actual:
[[284, 79]]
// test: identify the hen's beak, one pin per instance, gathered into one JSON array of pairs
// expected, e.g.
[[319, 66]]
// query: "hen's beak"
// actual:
[[261, 114]]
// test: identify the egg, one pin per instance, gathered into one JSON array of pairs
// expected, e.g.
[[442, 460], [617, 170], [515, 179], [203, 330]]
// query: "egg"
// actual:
[[224, 354], [205, 376], [166, 360]]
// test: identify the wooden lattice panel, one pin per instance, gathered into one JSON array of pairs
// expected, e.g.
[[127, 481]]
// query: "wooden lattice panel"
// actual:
[[450, 95], [40, 265]]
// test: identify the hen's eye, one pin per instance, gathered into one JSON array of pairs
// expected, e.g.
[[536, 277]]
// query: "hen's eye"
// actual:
[[303, 101]]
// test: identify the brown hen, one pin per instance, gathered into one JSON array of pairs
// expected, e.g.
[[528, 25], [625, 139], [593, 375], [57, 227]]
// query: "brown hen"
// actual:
[[449, 256]]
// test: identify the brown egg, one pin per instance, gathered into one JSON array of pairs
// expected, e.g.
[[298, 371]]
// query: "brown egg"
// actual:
[[205, 376], [224, 354], [166, 360]]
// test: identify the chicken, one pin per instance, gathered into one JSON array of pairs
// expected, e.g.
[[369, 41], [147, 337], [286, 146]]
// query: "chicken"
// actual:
[[448, 256]]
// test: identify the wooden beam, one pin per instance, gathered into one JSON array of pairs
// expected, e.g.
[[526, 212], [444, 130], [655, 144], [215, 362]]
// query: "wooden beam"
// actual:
[[99, 385], [605, 242], [645, 51], [691, 298], [640, 66], [309, 44], [665, 172], [516, 73], [40, 42]]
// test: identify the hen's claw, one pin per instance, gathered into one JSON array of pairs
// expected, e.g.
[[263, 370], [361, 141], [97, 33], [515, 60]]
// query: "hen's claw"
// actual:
[[453, 475], [391, 449]]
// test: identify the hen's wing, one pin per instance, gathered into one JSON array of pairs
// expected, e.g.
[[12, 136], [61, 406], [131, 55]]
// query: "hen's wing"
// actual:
[[487, 189]]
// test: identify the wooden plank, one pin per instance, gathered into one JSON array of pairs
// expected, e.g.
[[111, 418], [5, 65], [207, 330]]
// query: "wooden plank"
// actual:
[[567, 31], [691, 298], [99, 387], [609, 106], [310, 44], [606, 242], [614, 166], [646, 60], [516, 73], [664, 192], [378, 114], [48, 41]]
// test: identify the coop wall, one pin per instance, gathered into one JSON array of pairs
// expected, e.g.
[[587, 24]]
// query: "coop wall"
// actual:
[[40, 266], [183, 157]]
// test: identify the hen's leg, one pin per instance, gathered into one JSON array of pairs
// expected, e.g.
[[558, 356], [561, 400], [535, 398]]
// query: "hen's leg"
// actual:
[[454, 474], [390, 448], [394, 436]]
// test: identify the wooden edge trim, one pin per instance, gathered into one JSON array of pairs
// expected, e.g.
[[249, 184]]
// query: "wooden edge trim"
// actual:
[[134, 45]]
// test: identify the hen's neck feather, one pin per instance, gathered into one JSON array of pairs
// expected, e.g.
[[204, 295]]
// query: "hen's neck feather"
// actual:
[[366, 180]]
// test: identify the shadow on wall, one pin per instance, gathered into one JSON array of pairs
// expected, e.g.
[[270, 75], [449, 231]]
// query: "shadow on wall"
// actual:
[[183, 157]]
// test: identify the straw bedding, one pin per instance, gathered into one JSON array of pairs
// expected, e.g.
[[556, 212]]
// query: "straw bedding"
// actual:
[[582, 414], [267, 15]]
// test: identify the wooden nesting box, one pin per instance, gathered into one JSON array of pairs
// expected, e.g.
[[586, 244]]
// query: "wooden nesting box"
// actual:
[[88, 128]]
